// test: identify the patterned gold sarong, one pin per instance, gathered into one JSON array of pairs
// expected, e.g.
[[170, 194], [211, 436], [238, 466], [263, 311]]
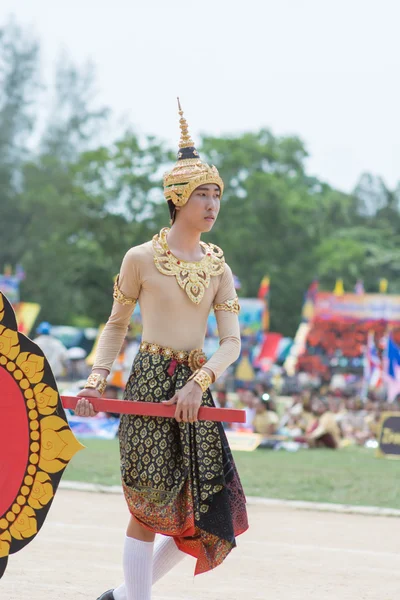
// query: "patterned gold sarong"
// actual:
[[179, 479]]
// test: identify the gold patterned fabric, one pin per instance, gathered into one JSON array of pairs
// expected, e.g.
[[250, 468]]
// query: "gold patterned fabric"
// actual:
[[193, 277], [179, 479], [232, 306]]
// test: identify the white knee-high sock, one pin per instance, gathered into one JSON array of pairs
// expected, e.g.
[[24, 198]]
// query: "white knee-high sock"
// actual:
[[138, 568], [166, 555]]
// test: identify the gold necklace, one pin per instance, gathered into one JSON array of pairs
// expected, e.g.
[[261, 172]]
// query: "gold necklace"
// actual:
[[193, 277]]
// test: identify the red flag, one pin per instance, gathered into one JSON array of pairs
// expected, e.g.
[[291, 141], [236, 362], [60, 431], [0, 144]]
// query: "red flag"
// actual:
[[312, 290]]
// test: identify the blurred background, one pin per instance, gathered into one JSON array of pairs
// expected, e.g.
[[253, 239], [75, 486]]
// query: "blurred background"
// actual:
[[296, 103]]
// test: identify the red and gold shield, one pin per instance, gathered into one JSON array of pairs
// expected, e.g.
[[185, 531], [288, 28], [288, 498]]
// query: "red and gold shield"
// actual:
[[36, 442]]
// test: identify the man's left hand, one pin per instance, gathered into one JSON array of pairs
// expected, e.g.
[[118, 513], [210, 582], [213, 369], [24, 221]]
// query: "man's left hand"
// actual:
[[188, 401]]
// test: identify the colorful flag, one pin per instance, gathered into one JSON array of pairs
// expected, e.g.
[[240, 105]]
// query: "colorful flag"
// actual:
[[339, 289], [20, 272], [9, 286], [269, 351], [310, 297], [263, 291], [263, 294], [392, 369], [244, 371], [359, 287], [236, 282], [373, 371], [312, 291], [383, 286]]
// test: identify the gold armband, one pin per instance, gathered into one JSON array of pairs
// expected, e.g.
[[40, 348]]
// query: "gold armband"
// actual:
[[95, 381], [232, 306], [203, 379], [120, 296]]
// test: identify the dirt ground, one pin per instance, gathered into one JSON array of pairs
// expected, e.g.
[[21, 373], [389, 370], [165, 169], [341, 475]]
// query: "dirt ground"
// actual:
[[286, 554]]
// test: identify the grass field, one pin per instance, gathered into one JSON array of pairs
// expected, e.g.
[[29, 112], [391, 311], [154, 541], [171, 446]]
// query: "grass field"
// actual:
[[347, 476]]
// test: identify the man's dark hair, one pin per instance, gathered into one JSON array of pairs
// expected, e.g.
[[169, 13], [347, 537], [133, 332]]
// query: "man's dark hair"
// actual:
[[172, 210]]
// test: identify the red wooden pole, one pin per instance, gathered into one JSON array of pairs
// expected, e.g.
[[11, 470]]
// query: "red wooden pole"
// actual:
[[155, 409]]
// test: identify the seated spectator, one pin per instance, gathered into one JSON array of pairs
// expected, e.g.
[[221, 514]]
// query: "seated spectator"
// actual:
[[261, 388], [351, 421], [324, 432], [221, 401], [112, 392], [266, 421], [54, 350], [333, 403], [373, 420], [306, 416], [248, 401], [294, 426]]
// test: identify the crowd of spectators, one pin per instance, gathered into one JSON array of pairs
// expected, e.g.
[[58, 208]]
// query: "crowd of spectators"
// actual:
[[309, 418]]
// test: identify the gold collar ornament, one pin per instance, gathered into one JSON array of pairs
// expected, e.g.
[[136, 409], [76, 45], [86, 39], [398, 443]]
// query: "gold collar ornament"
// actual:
[[193, 277], [189, 172]]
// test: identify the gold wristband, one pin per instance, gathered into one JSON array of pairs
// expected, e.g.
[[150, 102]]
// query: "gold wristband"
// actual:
[[203, 379], [95, 381]]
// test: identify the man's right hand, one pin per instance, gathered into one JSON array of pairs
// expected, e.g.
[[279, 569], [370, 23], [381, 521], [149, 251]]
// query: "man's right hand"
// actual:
[[84, 408]]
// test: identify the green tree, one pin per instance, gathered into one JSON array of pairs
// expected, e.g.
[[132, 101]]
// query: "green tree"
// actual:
[[72, 206], [274, 218], [75, 123], [83, 217], [18, 87]]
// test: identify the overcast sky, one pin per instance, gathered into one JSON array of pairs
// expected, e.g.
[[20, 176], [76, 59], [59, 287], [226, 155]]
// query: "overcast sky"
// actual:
[[326, 70]]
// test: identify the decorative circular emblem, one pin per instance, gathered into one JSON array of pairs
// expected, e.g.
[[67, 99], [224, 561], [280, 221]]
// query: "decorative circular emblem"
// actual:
[[35, 450], [197, 359]]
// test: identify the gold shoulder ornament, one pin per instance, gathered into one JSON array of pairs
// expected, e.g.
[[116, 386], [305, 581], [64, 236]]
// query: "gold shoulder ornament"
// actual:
[[120, 296], [232, 306], [193, 277]]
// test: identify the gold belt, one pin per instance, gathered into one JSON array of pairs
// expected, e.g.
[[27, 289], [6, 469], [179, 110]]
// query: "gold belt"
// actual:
[[195, 358]]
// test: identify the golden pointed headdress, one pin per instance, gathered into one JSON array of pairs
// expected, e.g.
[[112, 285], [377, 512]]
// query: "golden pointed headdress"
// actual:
[[189, 172]]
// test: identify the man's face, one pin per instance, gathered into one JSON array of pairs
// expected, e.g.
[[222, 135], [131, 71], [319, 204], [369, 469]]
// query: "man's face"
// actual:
[[202, 208], [250, 399], [317, 406], [222, 399]]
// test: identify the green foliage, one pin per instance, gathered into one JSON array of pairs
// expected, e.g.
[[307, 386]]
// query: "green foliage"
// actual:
[[18, 87], [71, 206]]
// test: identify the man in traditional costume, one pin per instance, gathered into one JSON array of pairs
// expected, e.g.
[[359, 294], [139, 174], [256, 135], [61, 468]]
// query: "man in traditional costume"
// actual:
[[178, 475]]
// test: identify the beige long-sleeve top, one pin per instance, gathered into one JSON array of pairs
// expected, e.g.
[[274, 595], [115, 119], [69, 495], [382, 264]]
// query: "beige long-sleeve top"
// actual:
[[170, 317]]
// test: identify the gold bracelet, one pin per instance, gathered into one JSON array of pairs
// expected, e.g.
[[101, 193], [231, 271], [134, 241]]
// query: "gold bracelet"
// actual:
[[203, 379], [95, 381]]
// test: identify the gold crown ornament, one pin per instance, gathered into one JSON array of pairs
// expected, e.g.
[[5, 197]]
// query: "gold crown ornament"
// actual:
[[189, 172]]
